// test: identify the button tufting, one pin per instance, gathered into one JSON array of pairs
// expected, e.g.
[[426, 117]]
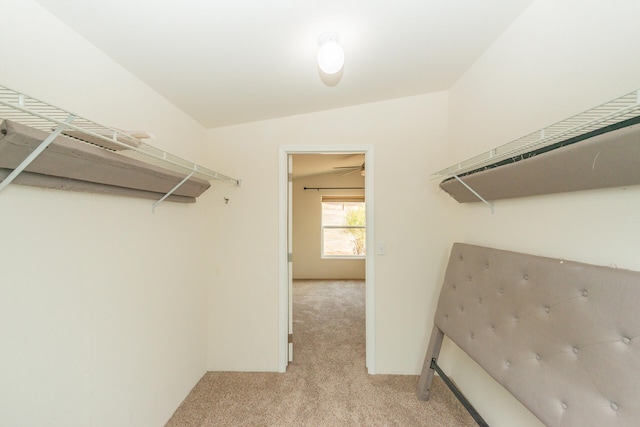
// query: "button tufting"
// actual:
[[493, 328], [538, 357], [564, 406], [479, 300], [486, 265], [508, 364], [585, 293], [461, 308], [470, 278], [626, 340], [472, 335], [547, 309], [454, 287], [575, 350], [501, 290], [526, 277], [614, 406]]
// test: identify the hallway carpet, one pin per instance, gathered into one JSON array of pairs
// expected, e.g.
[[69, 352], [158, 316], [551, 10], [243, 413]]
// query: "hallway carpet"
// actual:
[[327, 383]]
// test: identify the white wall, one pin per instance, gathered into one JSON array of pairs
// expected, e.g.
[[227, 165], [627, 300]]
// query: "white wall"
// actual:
[[307, 221], [102, 304], [118, 336], [558, 59], [409, 136]]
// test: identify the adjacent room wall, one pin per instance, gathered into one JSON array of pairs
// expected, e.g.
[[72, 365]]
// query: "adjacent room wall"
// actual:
[[307, 220], [408, 136], [558, 59], [102, 303]]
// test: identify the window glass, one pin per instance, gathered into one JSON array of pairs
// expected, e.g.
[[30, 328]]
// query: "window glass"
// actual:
[[343, 227]]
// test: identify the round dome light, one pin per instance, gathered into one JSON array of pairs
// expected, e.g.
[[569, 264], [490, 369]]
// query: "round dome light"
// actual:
[[330, 55]]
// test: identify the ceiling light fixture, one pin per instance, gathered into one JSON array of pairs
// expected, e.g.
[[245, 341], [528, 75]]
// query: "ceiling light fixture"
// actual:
[[330, 55]]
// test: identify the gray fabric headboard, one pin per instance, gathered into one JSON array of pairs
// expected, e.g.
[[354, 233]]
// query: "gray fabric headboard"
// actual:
[[563, 337]]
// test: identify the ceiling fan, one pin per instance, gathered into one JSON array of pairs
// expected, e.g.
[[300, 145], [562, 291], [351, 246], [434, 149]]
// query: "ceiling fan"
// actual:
[[351, 169]]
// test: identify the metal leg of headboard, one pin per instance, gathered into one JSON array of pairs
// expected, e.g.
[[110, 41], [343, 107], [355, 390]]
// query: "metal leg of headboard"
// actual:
[[430, 367], [426, 377], [467, 405]]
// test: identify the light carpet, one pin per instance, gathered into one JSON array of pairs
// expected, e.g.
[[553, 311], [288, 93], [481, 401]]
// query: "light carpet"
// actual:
[[327, 383]]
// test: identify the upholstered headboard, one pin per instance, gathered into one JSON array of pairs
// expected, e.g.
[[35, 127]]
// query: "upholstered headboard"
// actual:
[[563, 337]]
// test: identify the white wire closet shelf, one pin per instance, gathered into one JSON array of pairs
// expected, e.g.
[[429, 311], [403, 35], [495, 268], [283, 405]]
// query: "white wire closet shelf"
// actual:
[[21, 108], [612, 113]]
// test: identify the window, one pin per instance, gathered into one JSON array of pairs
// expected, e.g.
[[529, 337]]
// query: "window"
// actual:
[[343, 227]]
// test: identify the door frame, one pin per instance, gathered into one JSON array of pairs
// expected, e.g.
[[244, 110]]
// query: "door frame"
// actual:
[[283, 269]]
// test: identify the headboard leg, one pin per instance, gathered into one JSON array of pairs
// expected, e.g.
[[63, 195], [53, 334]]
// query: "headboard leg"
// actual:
[[426, 377]]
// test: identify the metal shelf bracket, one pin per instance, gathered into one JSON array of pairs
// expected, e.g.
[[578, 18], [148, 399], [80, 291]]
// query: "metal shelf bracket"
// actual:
[[35, 153], [178, 185], [475, 193]]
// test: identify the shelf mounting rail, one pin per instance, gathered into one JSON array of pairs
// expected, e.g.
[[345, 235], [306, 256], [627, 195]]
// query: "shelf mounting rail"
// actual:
[[29, 111]]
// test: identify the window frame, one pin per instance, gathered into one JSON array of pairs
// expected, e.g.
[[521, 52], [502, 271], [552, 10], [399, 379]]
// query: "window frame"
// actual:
[[323, 227]]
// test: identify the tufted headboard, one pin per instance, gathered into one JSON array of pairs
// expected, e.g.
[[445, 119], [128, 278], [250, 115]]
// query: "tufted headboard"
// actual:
[[563, 337]]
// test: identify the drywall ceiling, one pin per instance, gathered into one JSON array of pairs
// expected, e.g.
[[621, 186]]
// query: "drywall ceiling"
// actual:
[[321, 164], [227, 62]]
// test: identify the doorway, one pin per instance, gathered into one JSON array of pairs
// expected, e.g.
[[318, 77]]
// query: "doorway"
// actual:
[[285, 265]]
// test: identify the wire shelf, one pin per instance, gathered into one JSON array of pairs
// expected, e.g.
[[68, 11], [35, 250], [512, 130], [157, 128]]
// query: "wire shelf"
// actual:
[[611, 113], [18, 107]]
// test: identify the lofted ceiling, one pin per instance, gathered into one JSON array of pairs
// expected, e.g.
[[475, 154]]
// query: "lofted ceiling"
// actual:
[[227, 62]]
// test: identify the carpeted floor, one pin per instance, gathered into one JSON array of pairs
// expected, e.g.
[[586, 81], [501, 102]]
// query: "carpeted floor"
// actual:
[[327, 384]]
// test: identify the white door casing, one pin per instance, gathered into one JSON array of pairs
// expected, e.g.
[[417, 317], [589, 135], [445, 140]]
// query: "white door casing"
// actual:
[[284, 233], [290, 253]]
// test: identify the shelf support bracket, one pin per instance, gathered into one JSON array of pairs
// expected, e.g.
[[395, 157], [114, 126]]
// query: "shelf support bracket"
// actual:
[[35, 153], [475, 193], [178, 185]]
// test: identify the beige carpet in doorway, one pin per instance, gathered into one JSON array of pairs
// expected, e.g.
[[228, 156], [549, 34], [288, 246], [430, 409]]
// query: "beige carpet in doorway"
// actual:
[[327, 384]]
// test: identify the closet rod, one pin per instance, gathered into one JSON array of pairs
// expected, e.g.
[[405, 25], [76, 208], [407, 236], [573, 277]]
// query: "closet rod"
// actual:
[[333, 188]]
